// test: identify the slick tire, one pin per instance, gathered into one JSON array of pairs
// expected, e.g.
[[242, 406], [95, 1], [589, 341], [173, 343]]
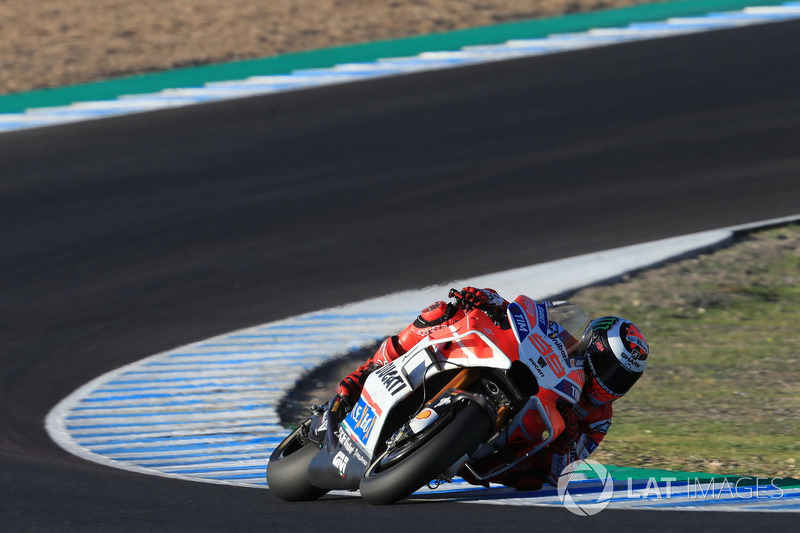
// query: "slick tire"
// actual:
[[438, 452], [287, 471]]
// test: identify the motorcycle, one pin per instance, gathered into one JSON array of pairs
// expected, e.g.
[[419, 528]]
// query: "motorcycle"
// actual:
[[450, 405]]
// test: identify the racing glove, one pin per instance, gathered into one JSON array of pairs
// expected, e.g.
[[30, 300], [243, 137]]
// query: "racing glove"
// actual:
[[487, 301], [472, 298]]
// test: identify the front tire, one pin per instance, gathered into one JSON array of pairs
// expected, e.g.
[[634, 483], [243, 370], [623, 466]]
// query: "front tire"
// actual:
[[454, 438], [287, 471]]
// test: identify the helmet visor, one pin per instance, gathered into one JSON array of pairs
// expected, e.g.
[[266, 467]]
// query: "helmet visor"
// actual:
[[608, 371]]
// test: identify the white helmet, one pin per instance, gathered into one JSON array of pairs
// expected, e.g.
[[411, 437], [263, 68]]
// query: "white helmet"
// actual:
[[616, 355]]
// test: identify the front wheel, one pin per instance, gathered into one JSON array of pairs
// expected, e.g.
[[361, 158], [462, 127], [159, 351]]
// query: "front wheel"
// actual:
[[399, 472], [287, 471]]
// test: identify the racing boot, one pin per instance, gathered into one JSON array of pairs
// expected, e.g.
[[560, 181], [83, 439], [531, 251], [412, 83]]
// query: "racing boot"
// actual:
[[433, 317]]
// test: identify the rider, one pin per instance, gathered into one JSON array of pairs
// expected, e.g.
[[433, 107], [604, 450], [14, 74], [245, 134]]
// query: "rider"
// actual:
[[615, 355]]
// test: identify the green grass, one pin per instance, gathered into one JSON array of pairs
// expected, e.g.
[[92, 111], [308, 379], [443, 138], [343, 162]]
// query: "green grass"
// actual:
[[721, 392]]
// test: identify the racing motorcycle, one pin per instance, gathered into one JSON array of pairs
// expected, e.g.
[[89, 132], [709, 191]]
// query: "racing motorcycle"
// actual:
[[447, 406]]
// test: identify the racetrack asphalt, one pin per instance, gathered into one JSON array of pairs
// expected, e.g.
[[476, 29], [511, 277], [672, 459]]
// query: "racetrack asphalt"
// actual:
[[128, 236]]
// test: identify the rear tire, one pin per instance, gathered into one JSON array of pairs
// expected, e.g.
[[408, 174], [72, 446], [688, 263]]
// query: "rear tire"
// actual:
[[451, 441], [287, 471]]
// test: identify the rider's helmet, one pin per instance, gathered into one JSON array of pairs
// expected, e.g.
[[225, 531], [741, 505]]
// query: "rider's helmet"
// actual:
[[616, 355]]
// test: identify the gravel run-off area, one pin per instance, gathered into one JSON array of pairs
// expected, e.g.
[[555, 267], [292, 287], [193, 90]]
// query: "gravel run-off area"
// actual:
[[51, 43]]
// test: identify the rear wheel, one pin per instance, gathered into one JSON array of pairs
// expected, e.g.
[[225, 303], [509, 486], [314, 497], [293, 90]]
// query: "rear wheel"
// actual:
[[287, 471], [402, 470]]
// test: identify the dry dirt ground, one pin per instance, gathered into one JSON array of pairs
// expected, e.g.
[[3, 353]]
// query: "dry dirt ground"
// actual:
[[50, 43], [723, 390]]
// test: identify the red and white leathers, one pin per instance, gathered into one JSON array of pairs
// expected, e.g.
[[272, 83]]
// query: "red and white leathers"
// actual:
[[586, 422], [593, 424], [438, 315], [590, 424]]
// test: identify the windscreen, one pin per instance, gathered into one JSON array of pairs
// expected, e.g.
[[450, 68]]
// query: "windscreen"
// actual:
[[572, 319]]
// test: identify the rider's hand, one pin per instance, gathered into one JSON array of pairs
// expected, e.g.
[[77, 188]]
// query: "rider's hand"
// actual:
[[563, 443], [472, 298]]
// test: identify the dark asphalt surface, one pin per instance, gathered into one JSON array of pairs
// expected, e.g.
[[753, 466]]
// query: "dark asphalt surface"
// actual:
[[127, 236]]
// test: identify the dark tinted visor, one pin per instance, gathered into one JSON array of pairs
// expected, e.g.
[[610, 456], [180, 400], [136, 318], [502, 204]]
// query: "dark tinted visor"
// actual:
[[611, 375]]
